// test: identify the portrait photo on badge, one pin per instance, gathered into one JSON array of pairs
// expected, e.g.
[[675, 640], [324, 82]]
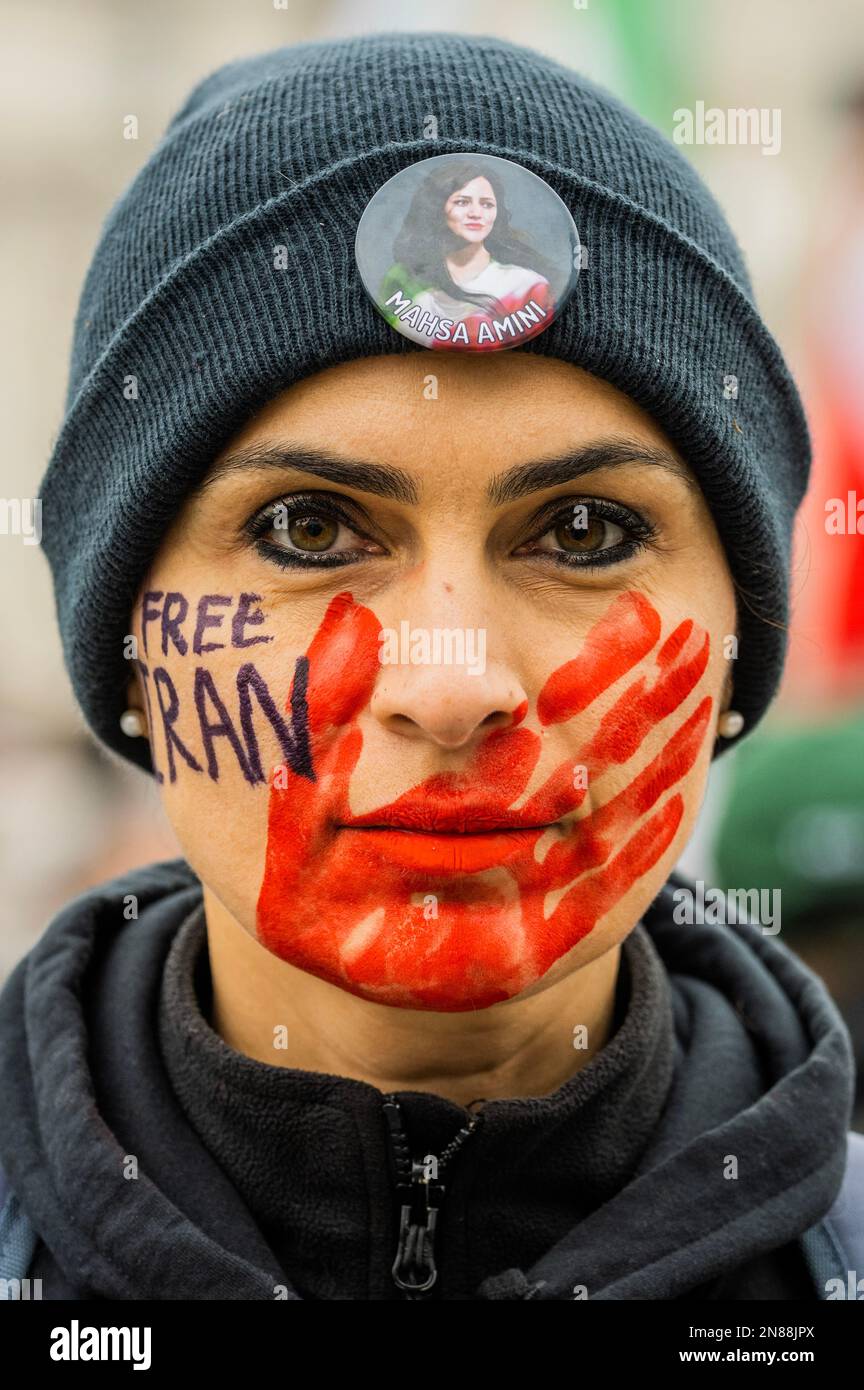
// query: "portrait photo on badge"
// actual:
[[468, 253]]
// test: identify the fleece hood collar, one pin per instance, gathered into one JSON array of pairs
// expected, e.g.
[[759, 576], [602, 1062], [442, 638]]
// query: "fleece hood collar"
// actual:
[[749, 1152]]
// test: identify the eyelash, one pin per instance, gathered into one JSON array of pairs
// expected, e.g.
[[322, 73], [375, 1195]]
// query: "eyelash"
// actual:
[[306, 505]]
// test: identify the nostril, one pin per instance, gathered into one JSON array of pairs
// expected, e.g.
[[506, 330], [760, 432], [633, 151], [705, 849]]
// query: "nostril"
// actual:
[[497, 719]]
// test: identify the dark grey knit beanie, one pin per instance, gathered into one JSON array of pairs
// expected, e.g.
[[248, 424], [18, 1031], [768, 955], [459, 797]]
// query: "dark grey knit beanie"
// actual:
[[285, 150]]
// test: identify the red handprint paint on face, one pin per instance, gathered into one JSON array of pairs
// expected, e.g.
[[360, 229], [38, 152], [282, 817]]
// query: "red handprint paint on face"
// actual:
[[343, 896]]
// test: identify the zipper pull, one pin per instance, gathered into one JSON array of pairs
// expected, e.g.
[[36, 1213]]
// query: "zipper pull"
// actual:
[[414, 1270], [419, 1200]]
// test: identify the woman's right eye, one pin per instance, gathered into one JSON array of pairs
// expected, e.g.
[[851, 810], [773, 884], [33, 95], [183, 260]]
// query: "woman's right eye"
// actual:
[[307, 533]]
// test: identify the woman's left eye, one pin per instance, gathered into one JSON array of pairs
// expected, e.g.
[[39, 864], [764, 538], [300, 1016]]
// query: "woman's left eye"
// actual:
[[589, 534]]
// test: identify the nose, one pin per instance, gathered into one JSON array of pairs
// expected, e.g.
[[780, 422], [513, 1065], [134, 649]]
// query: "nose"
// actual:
[[445, 703]]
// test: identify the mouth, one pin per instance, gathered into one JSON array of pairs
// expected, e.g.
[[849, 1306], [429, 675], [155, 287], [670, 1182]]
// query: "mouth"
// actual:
[[449, 851]]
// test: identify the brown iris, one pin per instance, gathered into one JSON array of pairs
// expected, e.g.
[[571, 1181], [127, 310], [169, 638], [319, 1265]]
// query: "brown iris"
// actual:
[[572, 536], [313, 532]]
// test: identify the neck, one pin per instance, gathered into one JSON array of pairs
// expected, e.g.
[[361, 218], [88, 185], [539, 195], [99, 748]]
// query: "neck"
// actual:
[[467, 264], [270, 1011]]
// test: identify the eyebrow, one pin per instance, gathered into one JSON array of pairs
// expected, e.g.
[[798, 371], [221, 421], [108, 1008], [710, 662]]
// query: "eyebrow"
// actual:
[[396, 484]]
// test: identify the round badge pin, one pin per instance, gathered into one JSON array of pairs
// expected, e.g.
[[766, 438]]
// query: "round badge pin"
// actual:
[[468, 253]]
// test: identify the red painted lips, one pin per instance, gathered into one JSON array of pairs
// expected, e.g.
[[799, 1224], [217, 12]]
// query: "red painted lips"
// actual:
[[449, 904], [458, 853]]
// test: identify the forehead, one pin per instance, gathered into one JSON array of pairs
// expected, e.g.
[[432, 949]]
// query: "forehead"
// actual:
[[478, 188], [412, 405]]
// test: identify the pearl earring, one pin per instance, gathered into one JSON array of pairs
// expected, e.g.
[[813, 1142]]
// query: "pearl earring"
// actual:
[[730, 724], [132, 722]]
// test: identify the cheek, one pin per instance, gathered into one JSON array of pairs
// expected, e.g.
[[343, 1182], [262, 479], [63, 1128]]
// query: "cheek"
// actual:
[[648, 743], [215, 746], [215, 675], [655, 728], [656, 722]]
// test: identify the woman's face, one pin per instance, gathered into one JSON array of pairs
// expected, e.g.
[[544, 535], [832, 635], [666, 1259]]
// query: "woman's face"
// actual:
[[471, 210], [433, 667]]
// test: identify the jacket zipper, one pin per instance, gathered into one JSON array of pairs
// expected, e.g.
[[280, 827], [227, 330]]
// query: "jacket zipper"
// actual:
[[419, 1200]]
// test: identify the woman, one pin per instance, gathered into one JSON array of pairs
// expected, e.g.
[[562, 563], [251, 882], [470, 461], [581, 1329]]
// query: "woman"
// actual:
[[458, 259], [416, 1016]]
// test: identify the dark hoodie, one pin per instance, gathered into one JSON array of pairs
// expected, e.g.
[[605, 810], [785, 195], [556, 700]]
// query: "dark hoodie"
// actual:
[[156, 1162]]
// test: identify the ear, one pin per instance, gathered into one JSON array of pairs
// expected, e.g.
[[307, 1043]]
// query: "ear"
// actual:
[[726, 692], [135, 697]]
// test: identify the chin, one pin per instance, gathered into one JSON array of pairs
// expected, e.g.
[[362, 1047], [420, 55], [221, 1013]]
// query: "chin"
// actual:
[[468, 957]]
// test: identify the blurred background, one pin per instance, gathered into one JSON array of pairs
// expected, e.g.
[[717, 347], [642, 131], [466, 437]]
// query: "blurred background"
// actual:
[[786, 810]]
